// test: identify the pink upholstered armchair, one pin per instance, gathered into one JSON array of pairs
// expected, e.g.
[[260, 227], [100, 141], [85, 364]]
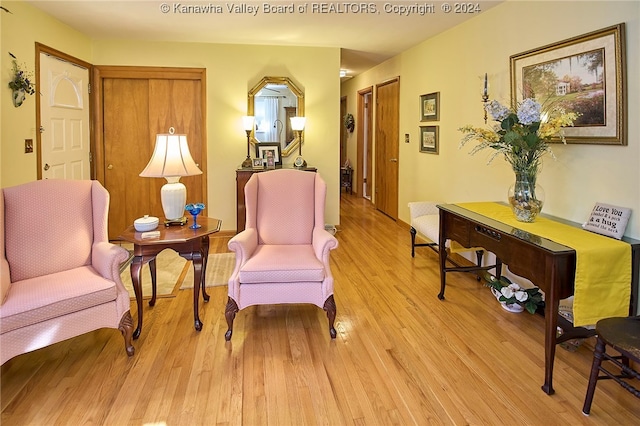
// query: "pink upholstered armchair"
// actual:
[[282, 256], [60, 275]]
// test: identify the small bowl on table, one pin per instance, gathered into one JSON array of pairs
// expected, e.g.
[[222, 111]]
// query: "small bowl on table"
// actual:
[[146, 223]]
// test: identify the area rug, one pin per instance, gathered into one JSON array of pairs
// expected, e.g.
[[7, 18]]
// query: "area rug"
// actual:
[[219, 269], [170, 270]]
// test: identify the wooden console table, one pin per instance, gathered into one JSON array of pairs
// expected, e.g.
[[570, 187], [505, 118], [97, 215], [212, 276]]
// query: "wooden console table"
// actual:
[[549, 265], [192, 244], [242, 177]]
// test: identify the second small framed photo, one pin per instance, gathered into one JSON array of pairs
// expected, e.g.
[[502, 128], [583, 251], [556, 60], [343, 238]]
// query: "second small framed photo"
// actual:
[[430, 107], [429, 139], [258, 164]]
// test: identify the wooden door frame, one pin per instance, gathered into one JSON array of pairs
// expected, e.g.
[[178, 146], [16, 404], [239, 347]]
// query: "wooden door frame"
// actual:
[[41, 48], [360, 141], [101, 72], [343, 132]]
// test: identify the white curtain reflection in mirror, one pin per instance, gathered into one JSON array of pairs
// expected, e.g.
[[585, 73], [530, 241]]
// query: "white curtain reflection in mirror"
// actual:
[[268, 118]]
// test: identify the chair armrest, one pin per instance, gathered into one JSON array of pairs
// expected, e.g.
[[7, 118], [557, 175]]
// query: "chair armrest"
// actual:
[[5, 276], [106, 259], [421, 208], [322, 243], [244, 244]]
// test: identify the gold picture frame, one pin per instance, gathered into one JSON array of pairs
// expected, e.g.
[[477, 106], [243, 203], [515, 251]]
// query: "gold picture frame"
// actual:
[[584, 74]]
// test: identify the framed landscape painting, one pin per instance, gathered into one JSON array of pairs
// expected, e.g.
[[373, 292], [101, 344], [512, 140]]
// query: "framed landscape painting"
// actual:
[[584, 74]]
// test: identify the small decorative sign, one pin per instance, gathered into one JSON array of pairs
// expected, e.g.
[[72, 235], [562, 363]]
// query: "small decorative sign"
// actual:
[[608, 220]]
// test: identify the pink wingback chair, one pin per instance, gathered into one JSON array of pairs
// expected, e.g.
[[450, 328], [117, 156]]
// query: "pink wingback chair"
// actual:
[[60, 275], [282, 256]]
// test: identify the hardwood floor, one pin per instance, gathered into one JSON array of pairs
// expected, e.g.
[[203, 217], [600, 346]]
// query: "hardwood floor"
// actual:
[[401, 356]]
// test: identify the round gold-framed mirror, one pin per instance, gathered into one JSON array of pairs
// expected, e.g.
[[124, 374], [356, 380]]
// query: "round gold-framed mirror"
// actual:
[[273, 101]]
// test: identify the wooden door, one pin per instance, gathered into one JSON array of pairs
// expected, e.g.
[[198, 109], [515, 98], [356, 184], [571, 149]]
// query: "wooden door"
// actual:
[[127, 148], [133, 110], [387, 117], [64, 118]]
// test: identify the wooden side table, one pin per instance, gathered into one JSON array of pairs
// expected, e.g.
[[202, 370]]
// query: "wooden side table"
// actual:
[[192, 244]]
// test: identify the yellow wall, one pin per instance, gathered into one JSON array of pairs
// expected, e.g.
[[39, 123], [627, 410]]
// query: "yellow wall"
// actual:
[[231, 71], [453, 63], [20, 31]]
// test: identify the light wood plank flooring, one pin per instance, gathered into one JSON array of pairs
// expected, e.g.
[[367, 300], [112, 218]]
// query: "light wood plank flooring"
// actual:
[[401, 356]]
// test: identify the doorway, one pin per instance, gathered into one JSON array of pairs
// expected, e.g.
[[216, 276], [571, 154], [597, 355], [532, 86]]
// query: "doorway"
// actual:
[[132, 106], [364, 168], [62, 116], [343, 131], [387, 128]]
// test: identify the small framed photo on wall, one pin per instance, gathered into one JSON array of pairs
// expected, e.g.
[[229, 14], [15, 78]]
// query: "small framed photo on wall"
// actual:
[[429, 139], [430, 107]]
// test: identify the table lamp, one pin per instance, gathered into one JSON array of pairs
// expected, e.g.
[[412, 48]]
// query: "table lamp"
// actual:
[[247, 125], [171, 159], [297, 125]]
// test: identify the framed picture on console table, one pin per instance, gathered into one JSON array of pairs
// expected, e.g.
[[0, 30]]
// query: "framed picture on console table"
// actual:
[[258, 164], [270, 152], [584, 74]]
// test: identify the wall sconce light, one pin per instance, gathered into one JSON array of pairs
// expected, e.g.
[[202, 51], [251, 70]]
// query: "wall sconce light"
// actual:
[[297, 125], [485, 96], [171, 159], [247, 125]]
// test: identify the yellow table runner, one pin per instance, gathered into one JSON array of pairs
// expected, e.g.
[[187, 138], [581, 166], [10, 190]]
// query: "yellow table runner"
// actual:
[[603, 264]]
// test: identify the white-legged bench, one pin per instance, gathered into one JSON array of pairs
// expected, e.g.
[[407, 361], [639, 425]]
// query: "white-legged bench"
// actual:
[[425, 221]]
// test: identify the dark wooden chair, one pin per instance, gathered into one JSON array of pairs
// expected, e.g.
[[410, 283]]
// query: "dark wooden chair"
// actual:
[[623, 336]]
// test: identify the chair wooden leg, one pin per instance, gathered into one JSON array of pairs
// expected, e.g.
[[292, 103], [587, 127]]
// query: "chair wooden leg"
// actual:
[[413, 241], [230, 314], [598, 354], [330, 308], [126, 328]]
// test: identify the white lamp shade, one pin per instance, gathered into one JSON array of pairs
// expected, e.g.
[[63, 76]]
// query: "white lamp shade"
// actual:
[[171, 157], [297, 123], [247, 122]]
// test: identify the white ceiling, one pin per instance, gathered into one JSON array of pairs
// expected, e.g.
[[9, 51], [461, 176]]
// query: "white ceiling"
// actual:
[[366, 39]]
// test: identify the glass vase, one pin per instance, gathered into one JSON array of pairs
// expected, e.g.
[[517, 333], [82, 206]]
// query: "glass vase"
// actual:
[[194, 210], [526, 198]]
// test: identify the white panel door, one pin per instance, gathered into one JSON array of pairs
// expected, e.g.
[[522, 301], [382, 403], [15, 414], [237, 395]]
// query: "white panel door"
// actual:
[[64, 114]]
